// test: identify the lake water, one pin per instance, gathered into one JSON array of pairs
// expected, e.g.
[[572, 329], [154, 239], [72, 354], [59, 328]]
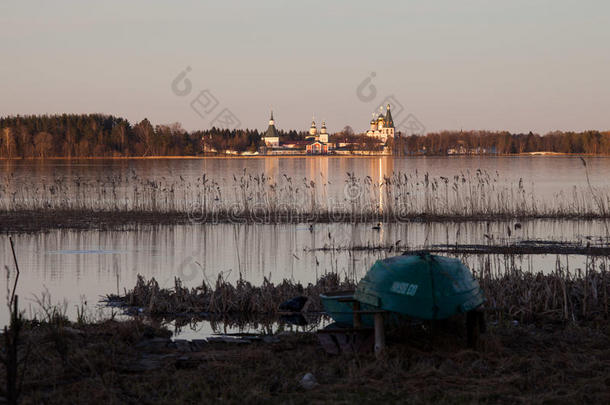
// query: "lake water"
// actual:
[[549, 173], [83, 265], [548, 183]]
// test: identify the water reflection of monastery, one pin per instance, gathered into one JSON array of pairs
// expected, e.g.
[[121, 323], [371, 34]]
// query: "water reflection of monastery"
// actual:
[[380, 168], [329, 175]]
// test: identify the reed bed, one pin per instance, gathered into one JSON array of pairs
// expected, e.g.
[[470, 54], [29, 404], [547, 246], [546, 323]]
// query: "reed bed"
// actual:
[[225, 298], [258, 197], [562, 295]]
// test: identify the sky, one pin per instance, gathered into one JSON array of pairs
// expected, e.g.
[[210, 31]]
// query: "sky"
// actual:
[[513, 65]]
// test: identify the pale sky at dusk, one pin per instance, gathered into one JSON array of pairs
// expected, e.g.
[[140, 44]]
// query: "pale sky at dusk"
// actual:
[[515, 65]]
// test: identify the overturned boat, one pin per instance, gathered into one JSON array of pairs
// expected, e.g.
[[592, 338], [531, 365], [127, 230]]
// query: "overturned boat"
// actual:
[[418, 286]]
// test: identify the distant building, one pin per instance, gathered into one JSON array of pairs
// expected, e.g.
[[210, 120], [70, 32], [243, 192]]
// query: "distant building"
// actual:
[[313, 129], [382, 127], [271, 138], [317, 141], [323, 137], [294, 144], [317, 148]]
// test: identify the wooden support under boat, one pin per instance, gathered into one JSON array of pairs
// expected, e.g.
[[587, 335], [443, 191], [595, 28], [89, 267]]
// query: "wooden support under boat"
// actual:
[[378, 316], [356, 308], [379, 329], [379, 334]]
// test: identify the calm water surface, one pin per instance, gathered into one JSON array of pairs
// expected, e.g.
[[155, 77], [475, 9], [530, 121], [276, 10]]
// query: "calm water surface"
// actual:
[[75, 266], [549, 174], [78, 265]]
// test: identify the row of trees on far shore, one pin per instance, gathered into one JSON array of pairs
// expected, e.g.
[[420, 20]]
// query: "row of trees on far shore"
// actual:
[[98, 135], [91, 135], [503, 142]]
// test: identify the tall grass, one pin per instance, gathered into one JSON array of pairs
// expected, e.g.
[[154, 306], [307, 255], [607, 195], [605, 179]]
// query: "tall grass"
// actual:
[[224, 297], [254, 197], [512, 293], [561, 295]]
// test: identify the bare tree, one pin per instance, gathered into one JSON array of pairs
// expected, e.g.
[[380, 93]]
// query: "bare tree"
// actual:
[[145, 132], [348, 131], [43, 141], [9, 143]]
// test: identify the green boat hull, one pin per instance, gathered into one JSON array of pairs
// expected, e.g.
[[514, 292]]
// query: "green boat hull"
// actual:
[[420, 286], [343, 312]]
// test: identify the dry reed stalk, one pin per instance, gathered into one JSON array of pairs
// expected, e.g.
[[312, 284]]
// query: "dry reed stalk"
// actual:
[[525, 296], [394, 197]]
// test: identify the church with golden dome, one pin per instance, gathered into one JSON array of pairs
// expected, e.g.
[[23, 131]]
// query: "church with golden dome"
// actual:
[[382, 127], [314, 134]]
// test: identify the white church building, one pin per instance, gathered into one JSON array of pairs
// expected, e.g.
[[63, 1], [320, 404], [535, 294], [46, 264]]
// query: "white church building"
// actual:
[[382, 127], [271, 138]]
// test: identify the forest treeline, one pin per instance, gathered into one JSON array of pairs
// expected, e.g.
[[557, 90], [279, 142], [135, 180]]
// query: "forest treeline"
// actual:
[[503, 142], [98, 135]]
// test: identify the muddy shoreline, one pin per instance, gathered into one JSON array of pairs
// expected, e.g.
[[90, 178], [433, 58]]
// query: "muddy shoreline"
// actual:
[[134, 362], [28, 221]]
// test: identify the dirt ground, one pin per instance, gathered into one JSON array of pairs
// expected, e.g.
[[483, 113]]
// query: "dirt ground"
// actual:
[[132, 362]]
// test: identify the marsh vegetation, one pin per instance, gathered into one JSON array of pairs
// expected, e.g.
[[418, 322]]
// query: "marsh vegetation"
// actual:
[[548, 322], [258, 198]]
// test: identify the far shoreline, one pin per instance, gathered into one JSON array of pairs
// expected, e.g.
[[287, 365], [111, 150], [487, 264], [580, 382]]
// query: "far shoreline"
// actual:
[[231, 156]]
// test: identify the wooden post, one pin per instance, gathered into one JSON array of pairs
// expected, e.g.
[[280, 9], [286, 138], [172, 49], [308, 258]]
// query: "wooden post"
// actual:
[[472, 329], [379, 334], [357, 317]]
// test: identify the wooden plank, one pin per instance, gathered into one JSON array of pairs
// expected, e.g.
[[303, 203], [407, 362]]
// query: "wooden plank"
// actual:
[[346, 330], [379, 334], [371, 312]]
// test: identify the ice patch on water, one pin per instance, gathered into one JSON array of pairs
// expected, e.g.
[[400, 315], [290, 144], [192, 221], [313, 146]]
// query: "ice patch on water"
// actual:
[[84, 252]]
